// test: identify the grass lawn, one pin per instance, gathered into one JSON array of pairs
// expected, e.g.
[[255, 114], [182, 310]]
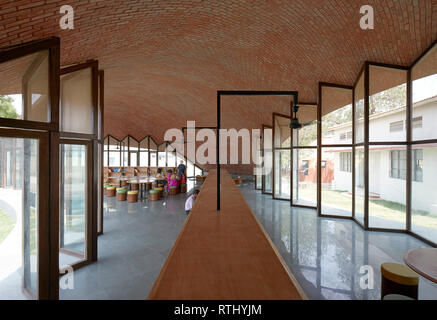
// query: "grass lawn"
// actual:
[[6, 225], [378, 208]]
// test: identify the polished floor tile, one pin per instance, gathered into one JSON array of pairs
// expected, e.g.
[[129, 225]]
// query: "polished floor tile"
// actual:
[[330, 257]]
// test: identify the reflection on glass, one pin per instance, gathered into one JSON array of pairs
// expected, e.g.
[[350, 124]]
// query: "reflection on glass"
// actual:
[[424, 201], [387, 183], [387, 103], [25, 88], [268, 161], [282, 174], [359, 184], [424, 76], [19, 220], [336, 169], [305, 177], [73, 207]]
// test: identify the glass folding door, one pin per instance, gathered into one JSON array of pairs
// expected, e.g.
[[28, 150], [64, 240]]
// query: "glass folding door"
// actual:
[[75, 201], [267, 178], [336, 152], [423, 170], [28, 116], [281, 157], [304, 159], [79, 170]]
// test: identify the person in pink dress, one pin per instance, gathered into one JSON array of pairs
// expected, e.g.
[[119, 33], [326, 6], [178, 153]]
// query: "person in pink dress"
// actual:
[[172, 180]]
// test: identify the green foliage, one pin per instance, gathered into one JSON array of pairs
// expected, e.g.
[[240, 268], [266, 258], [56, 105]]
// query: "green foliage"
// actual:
[[7, 109], [6, 225]]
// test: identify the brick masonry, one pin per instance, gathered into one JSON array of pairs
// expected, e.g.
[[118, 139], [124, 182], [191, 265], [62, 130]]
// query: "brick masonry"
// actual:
[[164, 60]]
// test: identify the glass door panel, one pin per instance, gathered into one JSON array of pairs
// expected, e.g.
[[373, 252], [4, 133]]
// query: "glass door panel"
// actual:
[[74, 204], [19, 215]]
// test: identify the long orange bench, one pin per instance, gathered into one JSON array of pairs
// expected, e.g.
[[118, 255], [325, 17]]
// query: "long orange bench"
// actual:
[[225, 255]]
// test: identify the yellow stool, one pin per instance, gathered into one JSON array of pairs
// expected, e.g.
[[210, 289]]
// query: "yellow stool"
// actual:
[[121, 194], [132, 196], [399, 279], [110, 191]]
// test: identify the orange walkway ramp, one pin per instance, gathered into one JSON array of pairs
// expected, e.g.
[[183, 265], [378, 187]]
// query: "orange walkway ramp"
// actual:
[[224, 255]]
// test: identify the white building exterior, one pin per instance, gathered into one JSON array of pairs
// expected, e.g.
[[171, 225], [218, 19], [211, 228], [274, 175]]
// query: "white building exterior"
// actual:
[[387, 164]]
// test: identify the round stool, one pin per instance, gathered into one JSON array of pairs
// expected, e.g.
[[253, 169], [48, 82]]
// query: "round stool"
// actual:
[[121, 194], [174, 190], [132, 196], [399, 279], [105, 186], [134, 186], [183, 188], [110, 191], [154, 195], [159, 191], [396, 297], [148, 186], [124, 183]]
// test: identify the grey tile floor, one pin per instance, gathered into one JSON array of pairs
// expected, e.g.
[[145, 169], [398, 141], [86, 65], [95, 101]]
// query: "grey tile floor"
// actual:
[[136, 241], [325, 255]]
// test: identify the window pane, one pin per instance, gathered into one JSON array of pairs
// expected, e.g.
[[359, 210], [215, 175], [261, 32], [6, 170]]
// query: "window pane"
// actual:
[[144, 159], [424, 76], [424, 200], [153, 159], [282, 132], [359, 184], [282, 174], [24, 88], [133, 151], [388, 100], [305, 177], [76, 107], [73, 198], [306, 136], [336, 185], [268, 160], [336, 115], [387, 197], [190, 169], [359, 110], [124, 152], [19, 221]]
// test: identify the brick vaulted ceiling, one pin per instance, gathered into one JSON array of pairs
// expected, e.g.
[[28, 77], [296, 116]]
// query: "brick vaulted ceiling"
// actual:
[[165, 60]]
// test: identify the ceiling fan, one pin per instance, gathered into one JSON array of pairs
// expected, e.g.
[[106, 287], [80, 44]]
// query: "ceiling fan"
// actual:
[[295, 124]]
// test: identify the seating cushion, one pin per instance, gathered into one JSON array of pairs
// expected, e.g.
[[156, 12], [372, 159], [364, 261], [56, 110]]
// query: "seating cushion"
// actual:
[[158, 189], [173, 187], [121, 190], [107, 186], [110, 188], [132, 192], [399, 273], [154, 191]]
